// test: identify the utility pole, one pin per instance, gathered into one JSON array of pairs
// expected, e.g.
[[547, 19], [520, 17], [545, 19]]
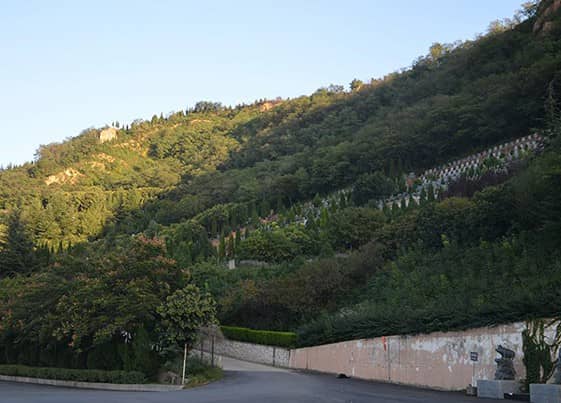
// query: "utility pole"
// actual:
[[184, 363]]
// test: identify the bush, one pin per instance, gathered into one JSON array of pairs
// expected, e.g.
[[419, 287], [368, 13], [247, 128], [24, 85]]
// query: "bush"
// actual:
[[266, 337], [210, 374], [82, 375], [198, 371], [196, 366]]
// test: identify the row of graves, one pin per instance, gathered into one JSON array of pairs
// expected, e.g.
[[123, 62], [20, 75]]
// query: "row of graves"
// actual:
[[496, 159], [330, 202], [435, 180]]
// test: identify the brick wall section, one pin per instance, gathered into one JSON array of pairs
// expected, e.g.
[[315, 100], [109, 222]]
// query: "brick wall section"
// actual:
[[436, 360]]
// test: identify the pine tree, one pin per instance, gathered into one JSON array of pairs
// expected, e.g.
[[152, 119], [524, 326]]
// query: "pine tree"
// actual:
[[237, 239], [324, 218], [213, 226], [17, 255], [231, 247], [386, 210], [423, 196], [254, 214], [222, 248], [430, 191], [342, 201], [552, 112]]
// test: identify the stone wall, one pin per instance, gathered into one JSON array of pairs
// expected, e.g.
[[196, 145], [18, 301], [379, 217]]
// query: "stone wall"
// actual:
[[269, 355], [107, 134], [206, 356], [436, 360]]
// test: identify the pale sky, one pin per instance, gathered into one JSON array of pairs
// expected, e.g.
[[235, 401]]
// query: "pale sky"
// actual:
[[69, 65]]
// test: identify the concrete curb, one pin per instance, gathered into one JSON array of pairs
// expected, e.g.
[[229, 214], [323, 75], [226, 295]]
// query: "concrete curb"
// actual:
[[93, 385]]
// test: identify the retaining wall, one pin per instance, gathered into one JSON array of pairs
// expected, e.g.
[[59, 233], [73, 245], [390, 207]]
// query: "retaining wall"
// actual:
[[436, 360], [269, 355], [206, 356]]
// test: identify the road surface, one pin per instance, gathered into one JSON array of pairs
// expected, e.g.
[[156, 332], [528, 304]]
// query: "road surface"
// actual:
[[243, 382]]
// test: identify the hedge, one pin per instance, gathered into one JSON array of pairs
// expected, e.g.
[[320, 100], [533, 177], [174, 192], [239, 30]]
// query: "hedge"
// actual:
[[266, 337], [80, 375]]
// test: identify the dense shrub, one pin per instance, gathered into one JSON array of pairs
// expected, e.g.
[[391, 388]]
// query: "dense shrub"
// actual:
[[269, 338], [65, 374]]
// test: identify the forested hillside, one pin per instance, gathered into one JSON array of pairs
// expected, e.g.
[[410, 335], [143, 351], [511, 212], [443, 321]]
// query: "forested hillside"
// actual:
[[102, 227]]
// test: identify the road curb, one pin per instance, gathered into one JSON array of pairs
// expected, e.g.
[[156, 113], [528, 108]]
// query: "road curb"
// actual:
[[93, 385]]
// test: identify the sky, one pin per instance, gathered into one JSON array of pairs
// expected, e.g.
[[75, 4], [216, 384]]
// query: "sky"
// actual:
[[69, 65]]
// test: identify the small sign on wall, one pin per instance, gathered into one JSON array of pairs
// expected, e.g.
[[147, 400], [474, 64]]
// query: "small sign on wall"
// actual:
[[474, 356]]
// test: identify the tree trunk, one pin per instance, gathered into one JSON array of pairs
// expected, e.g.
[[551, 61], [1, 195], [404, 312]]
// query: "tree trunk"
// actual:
[[184, 364]]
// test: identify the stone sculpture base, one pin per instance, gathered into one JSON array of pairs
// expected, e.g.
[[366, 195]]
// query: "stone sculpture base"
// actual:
[[496, 389], [540, 393]]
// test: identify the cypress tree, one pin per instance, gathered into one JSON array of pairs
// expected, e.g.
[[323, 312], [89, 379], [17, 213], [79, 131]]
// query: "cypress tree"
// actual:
[[17, 254], [222, 248]]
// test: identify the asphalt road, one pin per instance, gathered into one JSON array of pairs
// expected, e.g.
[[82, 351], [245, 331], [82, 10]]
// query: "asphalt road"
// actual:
[[243, 382]]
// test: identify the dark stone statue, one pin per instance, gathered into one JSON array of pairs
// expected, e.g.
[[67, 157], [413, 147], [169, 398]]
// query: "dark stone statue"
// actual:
[[505, 366], [555, 378]]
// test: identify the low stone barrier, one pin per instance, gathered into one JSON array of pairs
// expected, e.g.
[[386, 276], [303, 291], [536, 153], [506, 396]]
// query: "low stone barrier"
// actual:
[[93, 385], [492, 389], [540, 393]]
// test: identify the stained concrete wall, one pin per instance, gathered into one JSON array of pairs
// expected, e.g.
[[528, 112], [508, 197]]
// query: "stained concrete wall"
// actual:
[[269, 355], [436, 360]]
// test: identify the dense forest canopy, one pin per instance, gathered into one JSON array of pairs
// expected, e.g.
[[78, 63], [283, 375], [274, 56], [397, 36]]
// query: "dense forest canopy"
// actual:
[[100, 229]]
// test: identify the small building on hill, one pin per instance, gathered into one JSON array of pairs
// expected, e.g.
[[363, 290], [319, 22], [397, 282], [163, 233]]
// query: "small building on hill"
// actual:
[[107, 134]]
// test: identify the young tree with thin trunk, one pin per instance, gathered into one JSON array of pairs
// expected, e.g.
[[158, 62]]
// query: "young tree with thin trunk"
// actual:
[[183, 314]]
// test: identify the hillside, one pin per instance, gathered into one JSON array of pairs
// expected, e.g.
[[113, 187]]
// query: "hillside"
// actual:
[[454, 101], [426, 200]]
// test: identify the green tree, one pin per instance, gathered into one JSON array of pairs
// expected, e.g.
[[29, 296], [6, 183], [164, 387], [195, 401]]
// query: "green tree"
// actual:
[[182, 315], [17, 255], [353, 226], [436, 51], [356, 84], [374, 186]]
